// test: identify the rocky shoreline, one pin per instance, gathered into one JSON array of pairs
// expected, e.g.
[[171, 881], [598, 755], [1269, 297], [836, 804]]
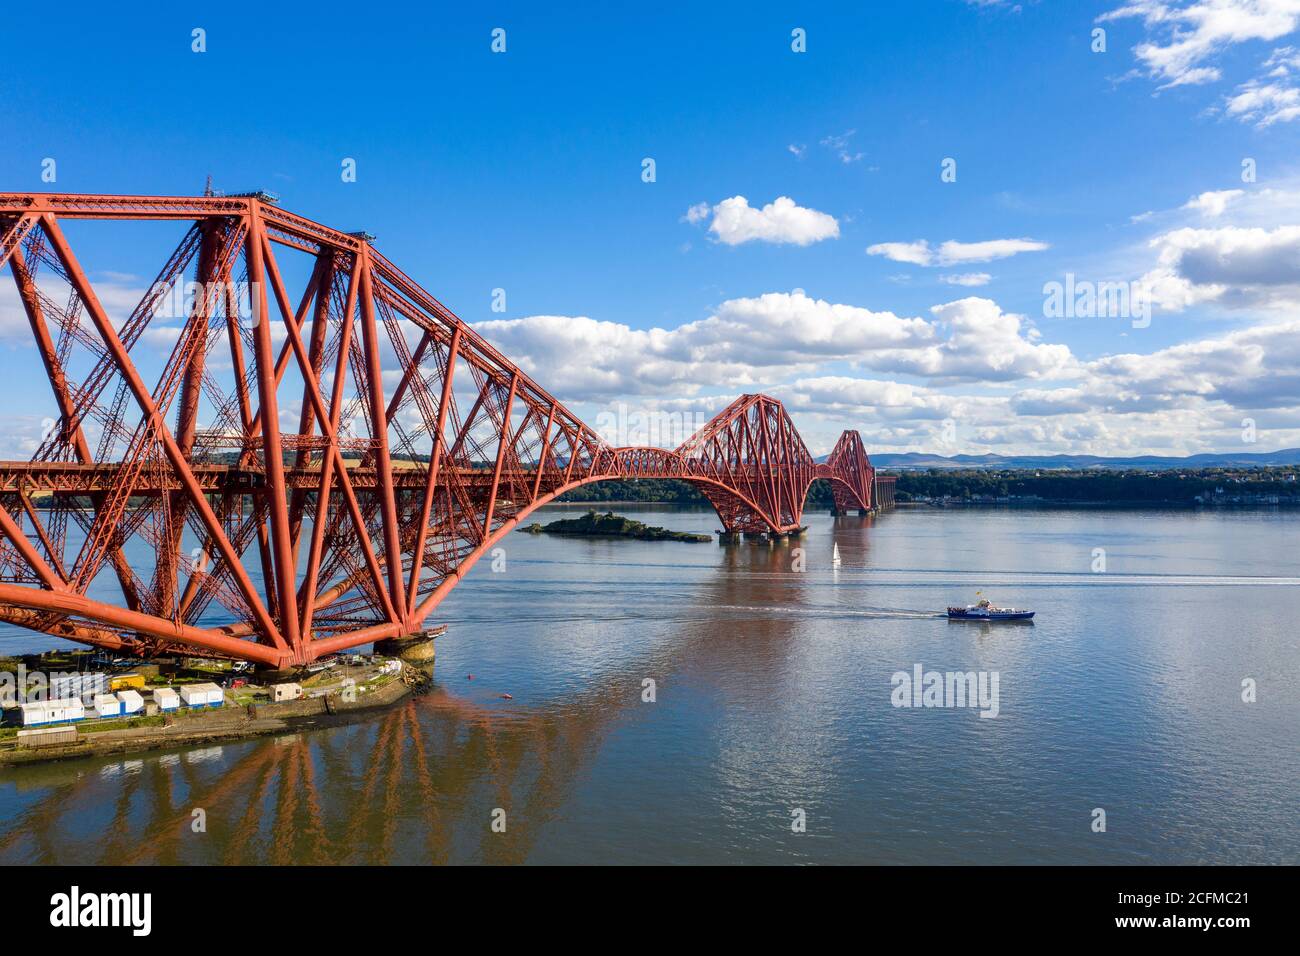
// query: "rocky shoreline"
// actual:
[[610, 525]]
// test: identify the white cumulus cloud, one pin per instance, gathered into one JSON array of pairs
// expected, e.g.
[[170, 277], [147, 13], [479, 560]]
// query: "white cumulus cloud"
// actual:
[[953, 252], [735, 221], [757, 339], [1232, 265], [966, 279], [1184, 38], [1213, 203], [1264, 103], [984, 344]]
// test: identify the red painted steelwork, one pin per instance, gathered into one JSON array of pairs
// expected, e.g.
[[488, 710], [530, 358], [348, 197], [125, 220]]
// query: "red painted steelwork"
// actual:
[[351, 528]]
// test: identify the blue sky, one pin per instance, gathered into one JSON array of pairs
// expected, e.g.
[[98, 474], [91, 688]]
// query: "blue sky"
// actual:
[[522, 171]]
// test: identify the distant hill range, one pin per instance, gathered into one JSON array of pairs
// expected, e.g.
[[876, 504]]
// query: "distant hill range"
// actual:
[[916, 460]]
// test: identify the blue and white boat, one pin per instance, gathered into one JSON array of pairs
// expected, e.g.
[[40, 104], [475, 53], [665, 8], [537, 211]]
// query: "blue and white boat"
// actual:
[[984, 611]]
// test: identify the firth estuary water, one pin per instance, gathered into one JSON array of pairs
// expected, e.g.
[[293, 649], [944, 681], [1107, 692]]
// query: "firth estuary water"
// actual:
[[774, 733]]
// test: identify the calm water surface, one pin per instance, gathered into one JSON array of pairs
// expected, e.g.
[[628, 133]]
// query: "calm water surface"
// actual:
[[773, 693]]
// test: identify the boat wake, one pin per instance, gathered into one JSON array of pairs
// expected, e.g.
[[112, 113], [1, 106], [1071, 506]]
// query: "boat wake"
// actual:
[[807, 610]]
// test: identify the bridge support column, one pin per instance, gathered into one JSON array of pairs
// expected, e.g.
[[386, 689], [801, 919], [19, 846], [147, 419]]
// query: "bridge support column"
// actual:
[[276, 675], [728, 537]]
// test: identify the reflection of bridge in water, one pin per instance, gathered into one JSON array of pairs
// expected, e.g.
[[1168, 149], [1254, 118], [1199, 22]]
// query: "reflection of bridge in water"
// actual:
[[415, 784], [395, 482]]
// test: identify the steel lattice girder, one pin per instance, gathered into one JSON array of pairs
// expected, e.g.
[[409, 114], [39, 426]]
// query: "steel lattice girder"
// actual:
[[334, 535]]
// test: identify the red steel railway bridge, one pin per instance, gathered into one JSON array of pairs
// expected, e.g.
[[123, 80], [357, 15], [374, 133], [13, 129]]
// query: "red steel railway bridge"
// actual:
[[324, 466]]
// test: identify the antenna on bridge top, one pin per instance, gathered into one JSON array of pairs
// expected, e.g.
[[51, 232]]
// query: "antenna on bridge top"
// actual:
[[209, 192]]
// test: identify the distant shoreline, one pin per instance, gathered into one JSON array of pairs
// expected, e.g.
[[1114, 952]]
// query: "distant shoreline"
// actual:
[[1059, 504]]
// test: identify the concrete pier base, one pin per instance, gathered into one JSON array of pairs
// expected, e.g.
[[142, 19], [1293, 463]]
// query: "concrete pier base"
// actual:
[[728, 537], [416, 650]]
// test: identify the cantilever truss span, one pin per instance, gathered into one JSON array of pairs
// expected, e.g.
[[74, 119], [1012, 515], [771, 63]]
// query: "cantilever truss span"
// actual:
[[309, 470]]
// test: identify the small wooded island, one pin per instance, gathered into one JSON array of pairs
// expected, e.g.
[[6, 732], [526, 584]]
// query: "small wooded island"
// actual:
[[610, 525]]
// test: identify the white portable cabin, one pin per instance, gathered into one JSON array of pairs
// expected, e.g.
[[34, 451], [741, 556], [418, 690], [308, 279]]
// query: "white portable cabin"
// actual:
[[106, 705], [166, 699], [84, 685], [202, 695], [52, 711], [281, 692], [32, 713], [131, 701]]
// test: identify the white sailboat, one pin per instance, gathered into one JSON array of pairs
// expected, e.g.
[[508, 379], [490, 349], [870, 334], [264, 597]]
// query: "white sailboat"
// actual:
[[835, 557]]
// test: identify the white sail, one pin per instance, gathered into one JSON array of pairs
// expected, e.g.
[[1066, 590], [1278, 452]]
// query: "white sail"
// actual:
[[835, 557]]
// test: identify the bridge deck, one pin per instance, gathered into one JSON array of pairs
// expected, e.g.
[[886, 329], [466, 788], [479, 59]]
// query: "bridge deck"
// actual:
[[74, 478]]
